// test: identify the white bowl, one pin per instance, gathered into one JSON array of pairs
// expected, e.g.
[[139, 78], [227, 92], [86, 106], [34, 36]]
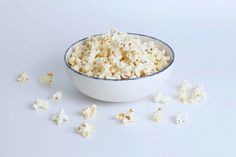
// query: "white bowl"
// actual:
[[114, 90]]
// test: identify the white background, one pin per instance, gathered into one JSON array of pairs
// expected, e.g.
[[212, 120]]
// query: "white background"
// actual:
[[34, 36]]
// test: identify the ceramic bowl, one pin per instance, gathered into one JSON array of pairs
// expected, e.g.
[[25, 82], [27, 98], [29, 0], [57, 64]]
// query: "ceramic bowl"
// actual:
[[116, 90]]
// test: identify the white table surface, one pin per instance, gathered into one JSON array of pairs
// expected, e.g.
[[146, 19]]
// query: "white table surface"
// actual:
[[34, 36]]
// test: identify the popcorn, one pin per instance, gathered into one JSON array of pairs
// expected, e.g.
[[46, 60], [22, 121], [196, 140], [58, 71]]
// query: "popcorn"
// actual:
[[185, 86], [126, 117], [159, 97], [23, 77], [118, 55], [72, 61], [181, 118], [40, 104], [60, 117], [56, 96], [86, 129], [189, 94], [156, 116], [198, 94], [90, 112], [47, 79]]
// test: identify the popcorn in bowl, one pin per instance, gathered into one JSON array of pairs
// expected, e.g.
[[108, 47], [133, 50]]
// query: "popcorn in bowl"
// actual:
[[117, 55]]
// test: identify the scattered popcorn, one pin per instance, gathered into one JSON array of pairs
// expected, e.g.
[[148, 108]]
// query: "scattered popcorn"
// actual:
[[86, 130], [156, 116], [56, 96], [165, 100], [60, 117], [183, 97], [47, 79], [23, 77], [159, 97], [126, 117], [198, 94], [90, 112], [118, 55], [181, 118], [40, 104], [189, 94], [183, 91]]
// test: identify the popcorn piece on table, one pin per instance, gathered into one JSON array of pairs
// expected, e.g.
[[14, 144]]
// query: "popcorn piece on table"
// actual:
[[156, 116], [198, 94], [60, 117], [56, 96], [183, 91], [47, 79], [181, 118], [183, 97], [23, 77], [86, 129], [126, 117], [40, 104], [159, 97], [89, 112], [188, 94]]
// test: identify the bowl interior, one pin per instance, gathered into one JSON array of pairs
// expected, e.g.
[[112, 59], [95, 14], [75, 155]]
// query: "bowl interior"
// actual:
[[143, 38]]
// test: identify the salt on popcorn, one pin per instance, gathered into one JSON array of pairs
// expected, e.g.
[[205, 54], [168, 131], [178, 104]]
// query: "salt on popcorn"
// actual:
[[118, 55]]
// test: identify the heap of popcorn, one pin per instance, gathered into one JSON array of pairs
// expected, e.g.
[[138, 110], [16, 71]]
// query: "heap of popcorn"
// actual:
[[118, 55]]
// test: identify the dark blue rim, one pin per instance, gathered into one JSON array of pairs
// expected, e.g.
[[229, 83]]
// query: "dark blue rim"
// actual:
[[173, 58]]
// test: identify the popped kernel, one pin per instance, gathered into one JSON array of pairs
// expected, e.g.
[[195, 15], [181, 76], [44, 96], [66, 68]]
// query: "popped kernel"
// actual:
[[156, 116], [23, 77], [60, 117], [47, 79], [86, 130], [188, 94], [56, 96], [40, 104], [126, 117], [181, 118], [159, 97], [90, 112]]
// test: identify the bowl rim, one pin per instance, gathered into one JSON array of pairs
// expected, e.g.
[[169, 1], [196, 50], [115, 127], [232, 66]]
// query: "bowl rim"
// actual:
[[97, 78]]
